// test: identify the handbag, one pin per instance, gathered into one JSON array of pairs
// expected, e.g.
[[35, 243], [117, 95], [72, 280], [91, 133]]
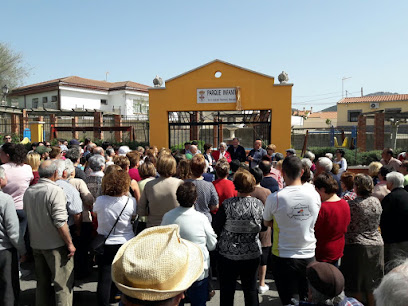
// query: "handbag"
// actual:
[[98, 244]]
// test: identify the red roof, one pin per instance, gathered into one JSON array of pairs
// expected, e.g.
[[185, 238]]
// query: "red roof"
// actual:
[[385, 98], [324, 115], [75, 81]]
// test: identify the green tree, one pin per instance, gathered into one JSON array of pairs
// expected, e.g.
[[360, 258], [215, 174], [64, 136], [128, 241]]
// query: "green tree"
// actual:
[[12, 69]]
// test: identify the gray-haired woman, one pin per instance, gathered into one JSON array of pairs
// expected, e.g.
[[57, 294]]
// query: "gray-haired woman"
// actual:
[[363, 261], [94, 180]]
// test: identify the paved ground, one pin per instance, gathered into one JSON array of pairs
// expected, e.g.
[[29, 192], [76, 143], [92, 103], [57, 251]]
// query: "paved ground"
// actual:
[[85, 292]]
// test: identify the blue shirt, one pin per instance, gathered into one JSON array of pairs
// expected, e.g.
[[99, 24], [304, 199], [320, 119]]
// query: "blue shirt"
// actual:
[[257, 156]]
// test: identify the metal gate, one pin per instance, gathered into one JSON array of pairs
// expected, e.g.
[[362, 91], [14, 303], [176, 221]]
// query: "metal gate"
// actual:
[[214, 127]]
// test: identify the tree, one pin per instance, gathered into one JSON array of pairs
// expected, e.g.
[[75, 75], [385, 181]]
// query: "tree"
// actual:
[[12, 69]]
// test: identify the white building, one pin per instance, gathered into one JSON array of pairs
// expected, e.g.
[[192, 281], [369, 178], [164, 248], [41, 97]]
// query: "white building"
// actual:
[[126, 98]]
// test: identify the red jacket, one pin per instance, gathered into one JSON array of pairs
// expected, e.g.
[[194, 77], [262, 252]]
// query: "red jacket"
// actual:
[[216, 155]]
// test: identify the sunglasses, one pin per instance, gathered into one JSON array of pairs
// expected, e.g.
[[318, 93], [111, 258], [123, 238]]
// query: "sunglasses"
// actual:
[[7, 137]]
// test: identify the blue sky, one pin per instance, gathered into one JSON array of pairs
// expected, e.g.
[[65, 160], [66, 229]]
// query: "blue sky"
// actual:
[[316, 42]]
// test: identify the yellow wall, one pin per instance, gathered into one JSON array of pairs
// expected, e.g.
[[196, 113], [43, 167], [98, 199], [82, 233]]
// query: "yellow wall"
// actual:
[[343, 108], [258, 92]]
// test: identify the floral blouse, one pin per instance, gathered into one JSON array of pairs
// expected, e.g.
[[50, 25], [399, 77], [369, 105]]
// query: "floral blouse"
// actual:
[[365, 220]]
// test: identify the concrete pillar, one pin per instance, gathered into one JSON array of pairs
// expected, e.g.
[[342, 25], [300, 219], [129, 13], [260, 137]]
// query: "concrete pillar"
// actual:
[[379, 131], [98, 122], [118, 123], [15, 124], [75, 133], [362, 133], [194, 128], [53, 122]]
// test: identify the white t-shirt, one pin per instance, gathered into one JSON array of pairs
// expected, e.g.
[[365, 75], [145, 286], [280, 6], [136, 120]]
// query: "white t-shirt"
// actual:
[[108, 209], [294, 211]]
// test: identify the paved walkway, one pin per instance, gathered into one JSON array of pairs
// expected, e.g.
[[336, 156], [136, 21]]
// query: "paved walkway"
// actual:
[[85, 292]]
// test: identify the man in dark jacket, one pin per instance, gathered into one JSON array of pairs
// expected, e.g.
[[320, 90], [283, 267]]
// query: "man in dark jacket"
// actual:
[[394, 225], [237, 151]]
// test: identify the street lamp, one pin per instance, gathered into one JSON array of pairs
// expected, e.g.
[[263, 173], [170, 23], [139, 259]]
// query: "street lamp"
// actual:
[[342, 85], [5, 92]]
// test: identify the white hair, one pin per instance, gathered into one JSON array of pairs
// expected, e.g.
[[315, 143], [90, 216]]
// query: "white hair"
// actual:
[[392, 290], [396, 179], [60, 166], [310, 155], [2, 173], [193, 148], [96, 162], [69, 167], [325, 163], [223, 144], [329, 155], [307, 162]]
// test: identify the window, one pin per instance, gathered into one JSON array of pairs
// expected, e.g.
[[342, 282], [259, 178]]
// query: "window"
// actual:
[[35, 103], [393, 110], [54, 99], [353, 115], [44, 99], [104, 102]]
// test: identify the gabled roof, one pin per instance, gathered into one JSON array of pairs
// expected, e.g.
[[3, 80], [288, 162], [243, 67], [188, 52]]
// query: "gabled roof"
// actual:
[[323, 115], [383, 98], [75, 81], [218, 61]]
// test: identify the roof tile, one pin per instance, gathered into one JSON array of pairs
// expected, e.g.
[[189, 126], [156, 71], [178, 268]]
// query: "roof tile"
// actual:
[[384, 98]]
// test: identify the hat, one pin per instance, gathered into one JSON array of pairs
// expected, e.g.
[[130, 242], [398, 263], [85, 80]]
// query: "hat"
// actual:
[[73, 142], [157, 264], [123, 150], [42, 149], [325, 278], [291, 151]]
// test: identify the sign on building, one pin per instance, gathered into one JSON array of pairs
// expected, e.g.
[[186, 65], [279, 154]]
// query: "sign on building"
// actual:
[[217, 95]]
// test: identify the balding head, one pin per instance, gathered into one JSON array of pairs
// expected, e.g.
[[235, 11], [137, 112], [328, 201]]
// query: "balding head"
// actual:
[[98, 151], [48, 169]]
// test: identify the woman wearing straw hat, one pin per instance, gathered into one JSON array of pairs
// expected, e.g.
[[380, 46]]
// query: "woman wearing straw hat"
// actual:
[[115, 211], [238, 223], [195, 227]]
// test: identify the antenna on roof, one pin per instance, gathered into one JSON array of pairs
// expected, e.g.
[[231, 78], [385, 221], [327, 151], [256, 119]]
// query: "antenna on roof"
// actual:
[[106, 75]]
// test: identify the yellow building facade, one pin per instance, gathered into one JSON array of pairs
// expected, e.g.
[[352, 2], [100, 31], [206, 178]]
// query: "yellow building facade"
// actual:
[[255, 91], [349, 108]]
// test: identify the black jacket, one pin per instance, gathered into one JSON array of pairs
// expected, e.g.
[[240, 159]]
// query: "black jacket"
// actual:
[[238, 154], [394, 218]]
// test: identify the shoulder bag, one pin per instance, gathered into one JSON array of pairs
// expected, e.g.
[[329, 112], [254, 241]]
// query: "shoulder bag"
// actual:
[[98, 244]]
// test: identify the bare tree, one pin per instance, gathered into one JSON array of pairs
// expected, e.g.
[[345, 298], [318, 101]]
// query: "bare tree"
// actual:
[[12, 69]]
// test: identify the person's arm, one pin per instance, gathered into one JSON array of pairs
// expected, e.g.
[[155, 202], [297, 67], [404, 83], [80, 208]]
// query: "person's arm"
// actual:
[[270, 209], [228, 157], [11, 224], [136, 190], [213, 205], [65, 235], [242, 154], [250, 155], [211, 237], [343, 165], [86, 195]]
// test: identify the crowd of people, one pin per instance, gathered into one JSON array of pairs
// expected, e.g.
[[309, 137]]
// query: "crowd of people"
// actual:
[[162, 226]]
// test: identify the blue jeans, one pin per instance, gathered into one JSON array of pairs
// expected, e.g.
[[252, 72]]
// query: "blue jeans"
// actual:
[[197, 293]]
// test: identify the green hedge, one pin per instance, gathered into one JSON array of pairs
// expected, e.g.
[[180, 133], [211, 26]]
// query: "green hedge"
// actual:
[[353, 157]]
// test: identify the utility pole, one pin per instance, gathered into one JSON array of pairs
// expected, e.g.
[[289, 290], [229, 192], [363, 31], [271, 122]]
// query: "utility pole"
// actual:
[[342, 85]]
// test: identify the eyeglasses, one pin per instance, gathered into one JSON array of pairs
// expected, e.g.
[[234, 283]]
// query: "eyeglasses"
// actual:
[[7, 137]]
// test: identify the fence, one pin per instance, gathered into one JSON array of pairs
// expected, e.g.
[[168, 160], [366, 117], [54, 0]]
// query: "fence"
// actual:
[[94, 126]]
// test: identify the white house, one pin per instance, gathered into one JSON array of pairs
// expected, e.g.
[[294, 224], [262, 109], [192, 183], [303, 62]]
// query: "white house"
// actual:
[[126, 98]]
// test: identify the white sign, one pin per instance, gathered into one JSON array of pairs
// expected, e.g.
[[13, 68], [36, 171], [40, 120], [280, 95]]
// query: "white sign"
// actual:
[[217, 95]]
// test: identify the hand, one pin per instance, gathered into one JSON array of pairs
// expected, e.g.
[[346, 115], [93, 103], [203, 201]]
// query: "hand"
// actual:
[[71, 250], [250, 158]]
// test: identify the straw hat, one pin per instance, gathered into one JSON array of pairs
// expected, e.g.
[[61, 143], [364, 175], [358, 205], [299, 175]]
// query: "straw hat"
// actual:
[[157, 264]]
